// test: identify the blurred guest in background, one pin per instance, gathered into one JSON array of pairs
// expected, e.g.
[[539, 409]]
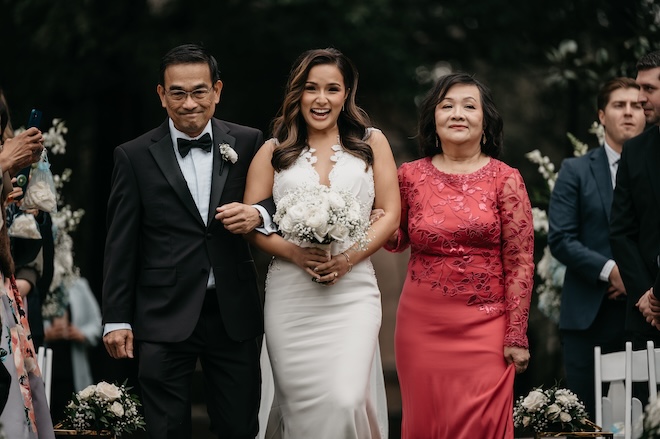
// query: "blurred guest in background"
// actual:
[[461, 324], [593, 304], [26, 413], [70, 333], [634, 231]]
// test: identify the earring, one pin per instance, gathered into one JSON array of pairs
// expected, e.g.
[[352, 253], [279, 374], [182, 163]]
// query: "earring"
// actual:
[[437, 145], [343, 106], [483, 139]]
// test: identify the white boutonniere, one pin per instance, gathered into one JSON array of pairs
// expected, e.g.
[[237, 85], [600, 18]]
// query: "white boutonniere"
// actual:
[[228, 154]]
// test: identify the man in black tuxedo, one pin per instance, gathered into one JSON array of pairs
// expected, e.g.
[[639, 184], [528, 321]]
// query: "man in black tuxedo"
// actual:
[[593, 303], [179, 278], [635, 218]]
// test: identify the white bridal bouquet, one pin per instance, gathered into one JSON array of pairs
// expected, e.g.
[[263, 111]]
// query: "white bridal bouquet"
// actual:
[[318, 214], [104, 406], [553, 409]]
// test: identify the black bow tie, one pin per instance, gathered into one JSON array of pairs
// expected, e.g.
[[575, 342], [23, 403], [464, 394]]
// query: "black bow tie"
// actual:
[[203, 142]]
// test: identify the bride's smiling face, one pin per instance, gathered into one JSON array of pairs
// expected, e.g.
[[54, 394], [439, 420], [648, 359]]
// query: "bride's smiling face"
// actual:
[[323, 97]]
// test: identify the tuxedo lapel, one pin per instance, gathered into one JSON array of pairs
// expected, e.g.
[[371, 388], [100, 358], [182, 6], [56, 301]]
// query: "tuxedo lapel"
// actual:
[[600, 169], [163, 154], [220, 166]]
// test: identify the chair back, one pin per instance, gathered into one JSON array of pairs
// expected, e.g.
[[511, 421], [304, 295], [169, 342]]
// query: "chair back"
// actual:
[[620, 370], [45, 362]]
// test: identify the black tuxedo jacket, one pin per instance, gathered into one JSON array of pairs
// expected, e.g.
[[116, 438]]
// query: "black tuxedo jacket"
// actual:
[[159, 252], [635, 220]]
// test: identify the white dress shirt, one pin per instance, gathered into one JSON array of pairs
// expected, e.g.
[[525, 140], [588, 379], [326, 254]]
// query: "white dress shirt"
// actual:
[[613, 158]]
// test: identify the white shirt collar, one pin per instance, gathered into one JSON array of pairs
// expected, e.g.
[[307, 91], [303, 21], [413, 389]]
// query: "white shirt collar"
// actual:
[[612, 156]]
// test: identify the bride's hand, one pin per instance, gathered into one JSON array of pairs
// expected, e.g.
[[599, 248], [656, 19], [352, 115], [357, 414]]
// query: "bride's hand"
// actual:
[[332, 270], [308, 259]]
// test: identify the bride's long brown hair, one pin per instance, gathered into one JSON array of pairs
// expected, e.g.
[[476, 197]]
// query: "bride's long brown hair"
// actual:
[[289, 127]]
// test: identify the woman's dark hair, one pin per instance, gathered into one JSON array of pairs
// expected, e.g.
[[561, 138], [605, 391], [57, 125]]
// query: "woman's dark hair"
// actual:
[[289, 127], [189, 54], [429, 142]]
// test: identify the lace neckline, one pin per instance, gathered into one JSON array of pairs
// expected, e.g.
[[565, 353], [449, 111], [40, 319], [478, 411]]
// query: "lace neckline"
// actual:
[[486, 169], [310, 158]]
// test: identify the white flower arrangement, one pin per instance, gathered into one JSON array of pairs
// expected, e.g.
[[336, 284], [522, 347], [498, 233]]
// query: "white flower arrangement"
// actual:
[[104, 406], [227, 153], [549, 269], [320, 215], [651, 421], [554, 409]]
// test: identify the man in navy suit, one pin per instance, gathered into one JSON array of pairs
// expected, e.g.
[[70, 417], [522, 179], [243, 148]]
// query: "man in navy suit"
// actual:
[[593, 303], [635, 219], [179, 278]]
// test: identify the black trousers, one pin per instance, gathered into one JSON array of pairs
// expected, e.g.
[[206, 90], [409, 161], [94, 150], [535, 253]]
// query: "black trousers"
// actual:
[[232, 380]]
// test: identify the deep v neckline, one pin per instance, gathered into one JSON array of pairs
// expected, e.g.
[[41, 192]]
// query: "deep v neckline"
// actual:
[[311, 159]]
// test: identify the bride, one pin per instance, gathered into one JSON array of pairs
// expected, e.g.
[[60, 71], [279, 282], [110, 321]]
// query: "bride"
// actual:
[[323, 310]]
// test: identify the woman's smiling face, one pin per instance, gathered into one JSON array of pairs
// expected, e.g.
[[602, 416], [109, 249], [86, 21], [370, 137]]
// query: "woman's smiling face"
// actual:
[[459, 117], [323, 97]]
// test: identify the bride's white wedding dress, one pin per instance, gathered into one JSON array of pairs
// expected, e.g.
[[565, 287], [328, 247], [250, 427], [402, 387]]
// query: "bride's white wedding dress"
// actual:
[[323, 340]]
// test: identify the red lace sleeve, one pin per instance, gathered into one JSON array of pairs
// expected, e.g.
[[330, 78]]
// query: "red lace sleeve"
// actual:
[[405, 186], [517, 256]]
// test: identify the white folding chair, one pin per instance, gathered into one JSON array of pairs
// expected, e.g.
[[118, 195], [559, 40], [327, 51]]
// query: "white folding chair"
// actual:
[[654, 372], [45, 362], [620, 370]]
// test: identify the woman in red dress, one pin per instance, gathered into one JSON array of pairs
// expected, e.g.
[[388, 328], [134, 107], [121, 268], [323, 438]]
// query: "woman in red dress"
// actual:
[[462, 318]]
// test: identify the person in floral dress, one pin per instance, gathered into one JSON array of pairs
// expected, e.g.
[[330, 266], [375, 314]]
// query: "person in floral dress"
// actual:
[[461, 323]]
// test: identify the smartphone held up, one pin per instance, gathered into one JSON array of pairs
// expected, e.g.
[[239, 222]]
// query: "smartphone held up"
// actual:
[[23, 175]]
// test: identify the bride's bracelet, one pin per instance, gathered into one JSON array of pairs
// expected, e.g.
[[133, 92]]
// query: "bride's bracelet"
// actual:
[[348, 260]]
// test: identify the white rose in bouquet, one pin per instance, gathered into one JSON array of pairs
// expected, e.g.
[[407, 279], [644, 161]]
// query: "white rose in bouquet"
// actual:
[[335, 200], [117, 409], [317, 218], [534, 401], [552, 412], [297, 213], [338, 232], [107, 391], [565, 417], [566, 399], [87, 392]]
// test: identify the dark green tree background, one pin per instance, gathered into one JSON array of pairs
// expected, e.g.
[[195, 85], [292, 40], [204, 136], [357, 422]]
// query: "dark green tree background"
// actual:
[[95, 65]]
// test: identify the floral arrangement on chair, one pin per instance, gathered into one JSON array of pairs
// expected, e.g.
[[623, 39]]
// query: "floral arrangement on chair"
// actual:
[[554, 409], [651, 421], [104, 406], [549, 269]]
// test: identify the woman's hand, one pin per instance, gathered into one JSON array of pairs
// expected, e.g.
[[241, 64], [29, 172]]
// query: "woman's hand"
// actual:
[[393, 239], [331, 271], [518, 356], [309, 258], [21, 151]]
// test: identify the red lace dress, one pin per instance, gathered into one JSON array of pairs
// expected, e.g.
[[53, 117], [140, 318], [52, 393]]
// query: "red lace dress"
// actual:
[[466, 296]]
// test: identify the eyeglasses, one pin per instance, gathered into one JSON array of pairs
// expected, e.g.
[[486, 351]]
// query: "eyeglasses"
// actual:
[[180, 95]]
